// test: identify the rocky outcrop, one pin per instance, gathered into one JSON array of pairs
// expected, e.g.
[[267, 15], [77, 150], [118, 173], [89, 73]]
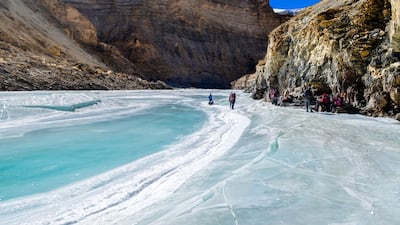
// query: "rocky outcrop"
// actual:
[[74, 23], [25, 25], [26, 71], [342, 47], [81, 30], [248, 82], [40, 52], [199, 43]]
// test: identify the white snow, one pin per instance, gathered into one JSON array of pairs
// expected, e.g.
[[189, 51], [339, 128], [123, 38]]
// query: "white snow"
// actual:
[[288, 11]]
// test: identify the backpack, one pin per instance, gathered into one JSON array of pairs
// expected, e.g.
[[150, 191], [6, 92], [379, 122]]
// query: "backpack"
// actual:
[[308, 93]]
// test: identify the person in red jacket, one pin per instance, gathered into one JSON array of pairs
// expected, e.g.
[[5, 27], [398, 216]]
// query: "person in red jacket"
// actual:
[[325, 102], [337, 102]]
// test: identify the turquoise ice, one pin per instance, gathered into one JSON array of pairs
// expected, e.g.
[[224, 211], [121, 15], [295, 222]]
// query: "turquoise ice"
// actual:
[[48, 158]]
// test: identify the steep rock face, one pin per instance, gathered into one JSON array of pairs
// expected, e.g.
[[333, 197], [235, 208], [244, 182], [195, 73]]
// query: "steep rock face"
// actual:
[[81, 30], [40, 52], [76, 26], [201, 43], [23, 24], [345, 47]]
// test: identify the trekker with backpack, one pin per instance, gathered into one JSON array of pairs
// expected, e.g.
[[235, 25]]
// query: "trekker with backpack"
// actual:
[[308, 94]]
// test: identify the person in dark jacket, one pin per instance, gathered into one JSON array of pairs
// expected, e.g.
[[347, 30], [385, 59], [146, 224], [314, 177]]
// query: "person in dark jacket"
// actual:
[[210, 99], [232, 100], [308, 95]]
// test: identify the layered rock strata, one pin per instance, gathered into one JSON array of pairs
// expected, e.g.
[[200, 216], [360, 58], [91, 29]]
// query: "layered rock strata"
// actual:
[[42, 51], [200, 43], [341, 47]]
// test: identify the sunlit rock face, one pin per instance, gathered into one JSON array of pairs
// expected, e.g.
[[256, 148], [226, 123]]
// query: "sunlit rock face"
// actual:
[[200, 43], [345, 47], [45, 45]]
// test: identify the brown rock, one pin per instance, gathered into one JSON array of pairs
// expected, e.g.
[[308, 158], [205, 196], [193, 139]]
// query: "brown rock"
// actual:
[[339, 47], [245, 82], [77, 26], [199, 43], [37, 54]]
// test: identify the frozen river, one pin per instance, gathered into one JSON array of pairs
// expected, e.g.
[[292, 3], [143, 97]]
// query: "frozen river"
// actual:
[[167, 157]]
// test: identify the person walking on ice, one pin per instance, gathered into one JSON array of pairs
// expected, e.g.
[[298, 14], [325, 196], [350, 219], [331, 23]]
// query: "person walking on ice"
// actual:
[[210, 99], [232, 99], [308, 94]]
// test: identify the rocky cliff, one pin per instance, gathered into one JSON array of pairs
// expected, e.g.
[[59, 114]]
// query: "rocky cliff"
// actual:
[[199, 43], [342, 47], [196, 43], [40, 50]]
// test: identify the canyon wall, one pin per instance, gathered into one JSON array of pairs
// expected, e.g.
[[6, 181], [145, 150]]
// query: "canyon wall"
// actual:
[[186, 43], [196, 43], [341, 47]]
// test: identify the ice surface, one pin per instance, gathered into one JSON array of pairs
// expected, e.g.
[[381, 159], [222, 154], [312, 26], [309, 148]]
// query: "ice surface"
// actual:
[[257, 164], [49, 158]]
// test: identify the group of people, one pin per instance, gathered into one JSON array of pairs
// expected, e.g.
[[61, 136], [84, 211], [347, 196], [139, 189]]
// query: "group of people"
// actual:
[[324, 103], [278, 99], [232, 100]]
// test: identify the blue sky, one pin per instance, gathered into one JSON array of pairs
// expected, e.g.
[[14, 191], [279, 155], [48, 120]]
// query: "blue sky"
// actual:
[[291, 4]]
